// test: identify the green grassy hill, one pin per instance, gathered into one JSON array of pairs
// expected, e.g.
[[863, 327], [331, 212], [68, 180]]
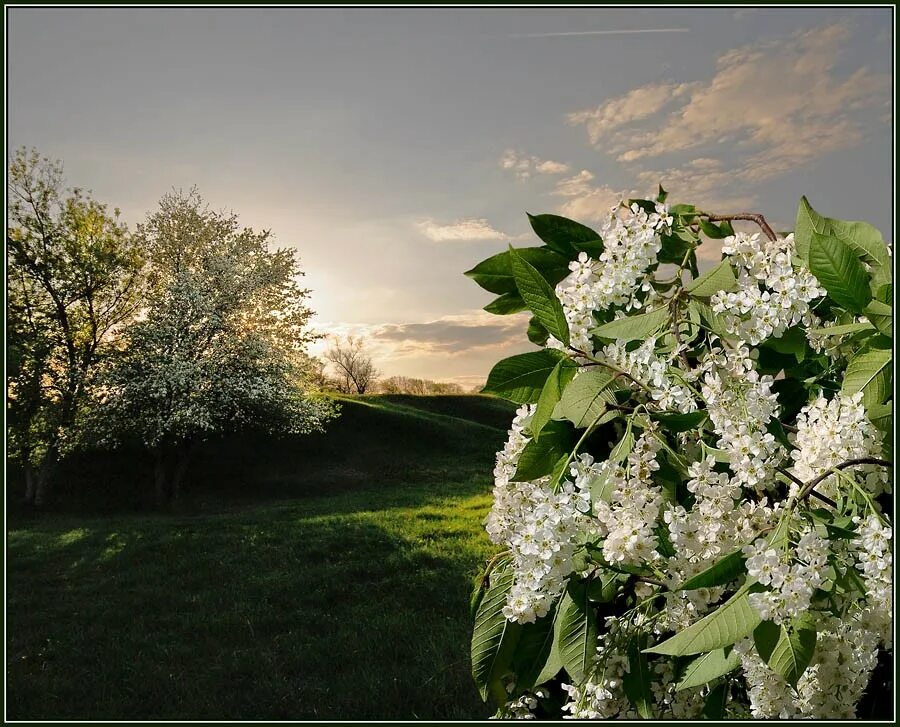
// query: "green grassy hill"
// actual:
[[324, 577]]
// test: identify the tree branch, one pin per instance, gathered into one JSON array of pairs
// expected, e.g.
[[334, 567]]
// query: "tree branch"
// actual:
[[812, 484], [749, 216]]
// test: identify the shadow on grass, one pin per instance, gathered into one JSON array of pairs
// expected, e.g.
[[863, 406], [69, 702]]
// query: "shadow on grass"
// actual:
[[288, 616]]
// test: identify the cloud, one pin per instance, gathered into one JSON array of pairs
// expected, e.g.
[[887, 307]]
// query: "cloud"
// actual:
[[473, 339], [639, 103], [451, 335], [524, 165], [773, 105], [464, 230], [634, 31], [586, 200]]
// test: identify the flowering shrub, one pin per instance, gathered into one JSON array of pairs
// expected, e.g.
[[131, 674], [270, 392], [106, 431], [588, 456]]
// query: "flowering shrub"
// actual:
[[692, 504]]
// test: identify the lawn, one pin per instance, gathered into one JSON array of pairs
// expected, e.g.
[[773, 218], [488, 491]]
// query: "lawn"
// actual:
[[280, 599]]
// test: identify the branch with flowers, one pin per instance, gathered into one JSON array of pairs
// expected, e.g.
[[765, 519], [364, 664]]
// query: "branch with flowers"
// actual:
[[691, 504]]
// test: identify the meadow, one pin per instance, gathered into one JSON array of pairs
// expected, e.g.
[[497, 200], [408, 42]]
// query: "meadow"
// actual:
[[320, 577]]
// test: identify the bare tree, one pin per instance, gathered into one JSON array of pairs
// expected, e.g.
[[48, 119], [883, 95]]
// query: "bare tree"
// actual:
[[355, 372]]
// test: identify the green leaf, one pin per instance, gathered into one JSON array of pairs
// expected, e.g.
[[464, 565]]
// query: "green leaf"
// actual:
[[678, 422], [661, 195], [621, 451], [712, 320], [539, 297], [541, 455], [576, 631], [885, 293], [839, 271], [601, 487], [713, 231], [882, 317], [861, 237], [494, 637], [506, 304], [731, 621], [787, 651], [718, 279], [881, 415], [536, 333], [869, 371], [709, 666], [604, 586], [842, 330], [565, 235], [714, 706], [496, 276], [586, 397], [521, 378], [556, 382], [721, 572], [636, 683], [533, 652], [633, 328]]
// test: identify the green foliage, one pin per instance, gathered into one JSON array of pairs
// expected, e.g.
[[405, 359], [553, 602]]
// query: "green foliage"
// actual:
[[74, 276], [633, 328], [494, 637], [709, 666], [787, 650], [597, 400], [869, 372], [496, 275], [720, 573], [575, 631], [222, 342], [733, 620], [839, 271], [521, 378], [587, 398], [555, 384], [565, 236], [714, 280], [539, 297]]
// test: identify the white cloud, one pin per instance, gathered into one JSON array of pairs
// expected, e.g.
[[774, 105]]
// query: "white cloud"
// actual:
[[467, 229], [637, 104], [773, 106], [586, 200], [524, 165]]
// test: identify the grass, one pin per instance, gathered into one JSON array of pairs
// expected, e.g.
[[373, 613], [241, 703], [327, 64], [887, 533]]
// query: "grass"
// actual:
[[328, 578]]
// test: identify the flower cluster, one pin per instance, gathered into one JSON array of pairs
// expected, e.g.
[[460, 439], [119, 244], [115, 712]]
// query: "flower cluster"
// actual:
[[876, 562], [740, 404], [539, 526], [644, 366], [845, 655], [717, 524], [772, 294], [631, 243], [792, 576], [629, 515], [833, 431]]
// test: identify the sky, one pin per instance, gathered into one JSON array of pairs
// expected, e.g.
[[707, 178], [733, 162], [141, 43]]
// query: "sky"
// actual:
[[396, 148]]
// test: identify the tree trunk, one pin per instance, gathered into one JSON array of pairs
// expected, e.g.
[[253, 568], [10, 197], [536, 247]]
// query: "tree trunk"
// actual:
[[43, 478], [182, 459], [160, 478], [30, 483]]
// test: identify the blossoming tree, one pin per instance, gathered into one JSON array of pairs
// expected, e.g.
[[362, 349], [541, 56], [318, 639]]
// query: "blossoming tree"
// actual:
[[692, 503]]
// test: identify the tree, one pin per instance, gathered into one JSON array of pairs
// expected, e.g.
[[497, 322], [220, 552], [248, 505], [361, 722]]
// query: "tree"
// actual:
[[73, 278], [354, 370], [220, 345], [417, 387], [693, 509]]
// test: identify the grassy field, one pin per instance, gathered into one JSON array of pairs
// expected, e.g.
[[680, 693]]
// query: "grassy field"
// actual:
[[328, 577]]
